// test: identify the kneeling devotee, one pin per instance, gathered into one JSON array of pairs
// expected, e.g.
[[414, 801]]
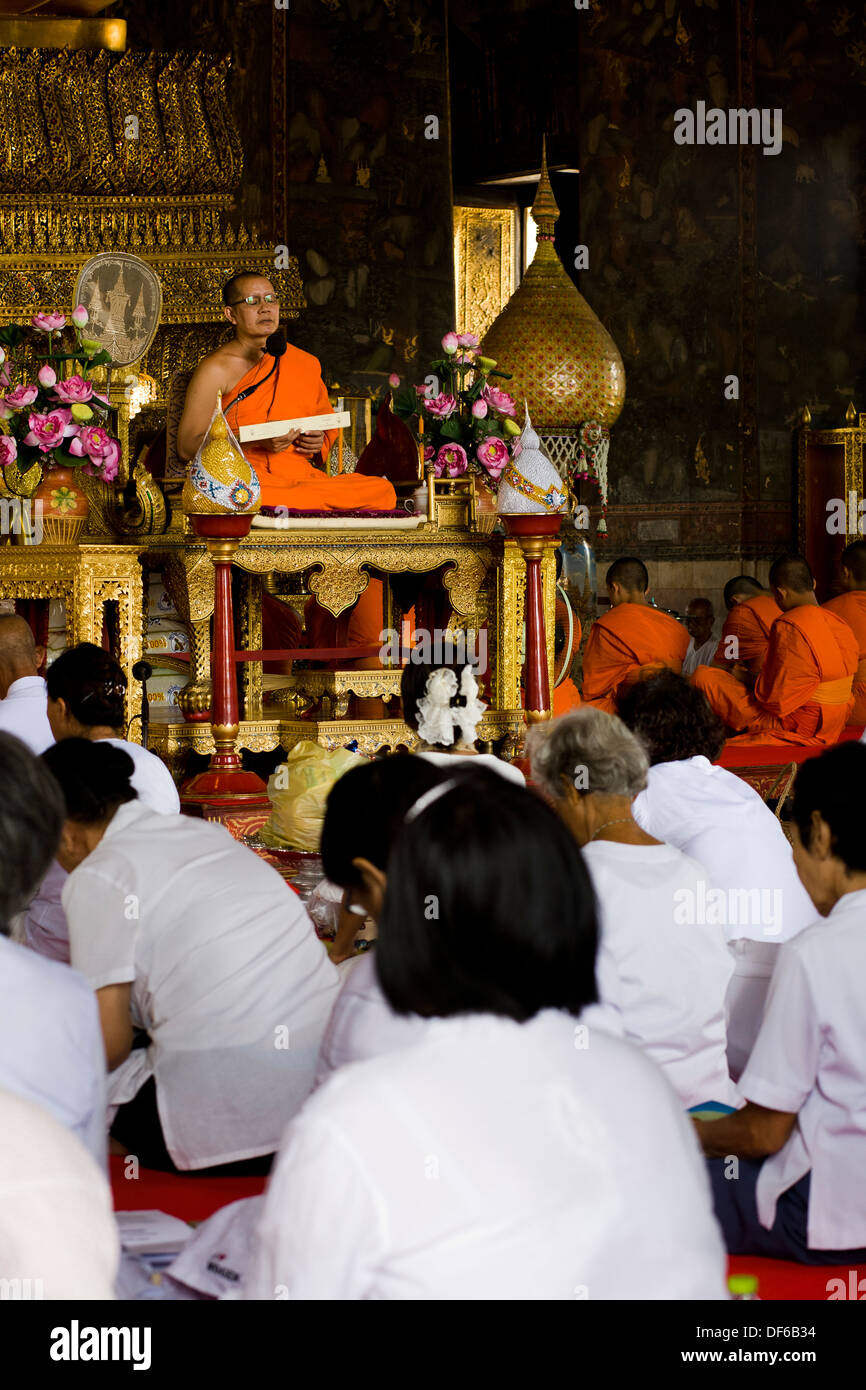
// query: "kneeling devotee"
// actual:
[[631, 641], [800, 1192], [241, 370], [50, 1042], [505, 1153], [24, 697], [662, 968], [187, 935], [742, 646], [851, 607], [803, 693]]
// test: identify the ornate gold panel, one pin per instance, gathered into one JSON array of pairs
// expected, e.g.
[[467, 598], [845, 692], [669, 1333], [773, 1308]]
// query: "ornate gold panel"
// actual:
[[485, 265]]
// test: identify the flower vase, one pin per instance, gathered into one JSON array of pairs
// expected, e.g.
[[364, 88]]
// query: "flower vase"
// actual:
[[484, 510], [64, 508]]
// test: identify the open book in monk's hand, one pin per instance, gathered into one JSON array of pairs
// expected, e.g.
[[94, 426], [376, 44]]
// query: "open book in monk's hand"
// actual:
[[275, 429]]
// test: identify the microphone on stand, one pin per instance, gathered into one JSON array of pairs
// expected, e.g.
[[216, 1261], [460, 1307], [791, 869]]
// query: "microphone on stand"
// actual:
[[142, 671]]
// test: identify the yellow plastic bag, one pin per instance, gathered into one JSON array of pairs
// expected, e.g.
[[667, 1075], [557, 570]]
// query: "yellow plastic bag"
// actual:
[[298, 790]]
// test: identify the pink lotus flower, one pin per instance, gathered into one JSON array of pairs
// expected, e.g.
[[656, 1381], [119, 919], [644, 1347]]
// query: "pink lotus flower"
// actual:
[[5, 378], [46, 375], [493, 455], [467, 340], [74, 390], [428, 453], [394, 380], [441, 406], [449, 343], [479, 408], [79, 316], [465, 357], [94, 443], [8, 449], [49, 323], [422, 391], [48, 431], [452, 459], [18, 398], [498, 400]]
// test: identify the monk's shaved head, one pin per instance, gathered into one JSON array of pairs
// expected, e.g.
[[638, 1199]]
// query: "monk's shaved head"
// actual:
[[854, 561], [742, 586], [17, 642], [792, 573], [630, 574]]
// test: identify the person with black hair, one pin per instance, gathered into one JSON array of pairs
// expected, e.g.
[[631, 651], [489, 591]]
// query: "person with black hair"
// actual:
[[86, 687], [188, 935], [506, 1153], [718, 819], [631, 640], [800, 1192], [803, 694], [50, 1041], [440, 703], [365, 812]]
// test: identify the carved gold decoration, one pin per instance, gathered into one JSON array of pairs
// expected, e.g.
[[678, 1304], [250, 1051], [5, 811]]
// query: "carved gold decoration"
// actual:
[[24, 32], [86, 577], [484, 265]]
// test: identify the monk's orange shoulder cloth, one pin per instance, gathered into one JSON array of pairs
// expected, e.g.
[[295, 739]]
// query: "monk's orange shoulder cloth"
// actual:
[[749, 623], [287, 478], [627, 643], [851, 608]]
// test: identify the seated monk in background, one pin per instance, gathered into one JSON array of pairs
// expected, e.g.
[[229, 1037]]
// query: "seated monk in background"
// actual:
[[284, 465], [803, 692], [851, 607], [751, 613], [631, 641]]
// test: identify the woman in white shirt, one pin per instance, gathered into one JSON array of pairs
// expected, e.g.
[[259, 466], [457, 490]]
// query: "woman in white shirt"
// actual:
[[505, 1154], [662, 967], [364, 814], [800, 1142], [50, 1042], [718, 819], [186, 934], [440, 702], [85, 700]]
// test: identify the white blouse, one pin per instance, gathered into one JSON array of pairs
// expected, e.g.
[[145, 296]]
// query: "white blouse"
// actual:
[[491, 1160], [810, 1059], [664, 970], [228, 978]]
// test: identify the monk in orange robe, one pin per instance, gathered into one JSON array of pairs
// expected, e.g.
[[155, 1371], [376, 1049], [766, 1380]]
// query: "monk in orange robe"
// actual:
[[803, 693], [851, 606], [632, 641], [284, 465], [751, 613]]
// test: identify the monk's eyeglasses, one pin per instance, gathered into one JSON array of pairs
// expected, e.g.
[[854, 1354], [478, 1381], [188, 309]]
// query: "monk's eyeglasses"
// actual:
[[252, 299]]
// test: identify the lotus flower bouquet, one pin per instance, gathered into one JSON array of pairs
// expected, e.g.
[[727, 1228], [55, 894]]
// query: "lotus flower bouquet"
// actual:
[[57, 420], [465, 422]]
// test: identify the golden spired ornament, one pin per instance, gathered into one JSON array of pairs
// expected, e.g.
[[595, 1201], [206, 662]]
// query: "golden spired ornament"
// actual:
[[220, 481], [561, 358]]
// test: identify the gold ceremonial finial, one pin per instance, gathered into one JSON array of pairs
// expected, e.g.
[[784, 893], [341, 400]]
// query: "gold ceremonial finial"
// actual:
[[806, 417], [545, 209], [851, 413]]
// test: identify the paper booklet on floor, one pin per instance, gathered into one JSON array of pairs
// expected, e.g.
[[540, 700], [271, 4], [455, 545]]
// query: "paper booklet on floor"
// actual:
[[152, 1232], [275, 429]]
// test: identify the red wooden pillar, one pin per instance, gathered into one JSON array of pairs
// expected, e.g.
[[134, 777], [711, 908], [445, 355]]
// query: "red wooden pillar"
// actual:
[[534, 532], [225, 786]]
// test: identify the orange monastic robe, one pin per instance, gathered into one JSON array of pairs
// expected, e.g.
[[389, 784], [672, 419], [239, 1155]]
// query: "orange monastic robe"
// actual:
[[288, 479], [803, 694], [628, 643], [749, 622], [851, 608]]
